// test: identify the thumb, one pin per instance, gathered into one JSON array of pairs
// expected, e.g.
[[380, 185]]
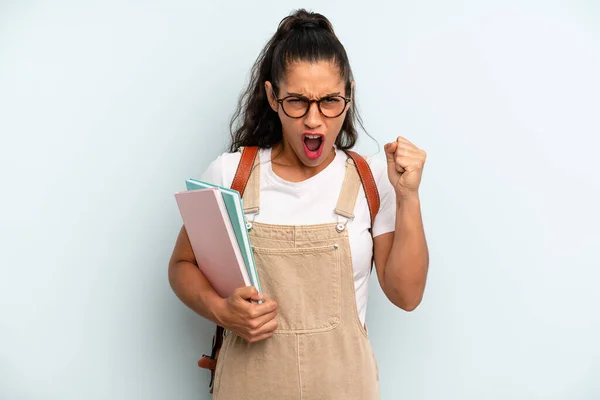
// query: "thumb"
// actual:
[[390, 151], [248, 293]]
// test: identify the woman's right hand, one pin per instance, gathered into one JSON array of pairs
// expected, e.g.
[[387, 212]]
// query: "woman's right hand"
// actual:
[[253, 322]]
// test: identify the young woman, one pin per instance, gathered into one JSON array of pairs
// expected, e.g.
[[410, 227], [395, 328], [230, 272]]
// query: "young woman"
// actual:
[[320, 215]]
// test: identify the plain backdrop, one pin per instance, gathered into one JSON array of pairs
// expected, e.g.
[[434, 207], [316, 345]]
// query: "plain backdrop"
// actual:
[[106, 107]]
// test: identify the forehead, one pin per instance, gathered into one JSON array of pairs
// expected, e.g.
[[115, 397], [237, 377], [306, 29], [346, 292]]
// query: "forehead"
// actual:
[[312, 79]]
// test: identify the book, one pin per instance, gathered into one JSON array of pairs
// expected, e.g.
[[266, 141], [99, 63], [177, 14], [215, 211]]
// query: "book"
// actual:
[[213, 239], [235, 209]]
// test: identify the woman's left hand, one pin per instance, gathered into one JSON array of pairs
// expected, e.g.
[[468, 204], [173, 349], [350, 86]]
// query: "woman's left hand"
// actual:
[[405, 166]]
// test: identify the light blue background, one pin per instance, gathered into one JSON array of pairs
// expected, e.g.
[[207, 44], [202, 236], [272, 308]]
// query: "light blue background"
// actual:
[[106, 108]]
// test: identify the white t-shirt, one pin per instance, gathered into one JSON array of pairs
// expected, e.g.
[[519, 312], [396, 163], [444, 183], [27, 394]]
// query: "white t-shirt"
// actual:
[[313, 200]]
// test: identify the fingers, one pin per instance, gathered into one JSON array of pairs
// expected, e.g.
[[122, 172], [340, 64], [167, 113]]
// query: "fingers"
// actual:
[[262, 336], [404, 163], [403, 140], [257, 297], [251, 321], [403, 157], [407, 147], [407, 153], [258, 310], [390, 151], [390, 148], [265, 328], [403, 153], [250, 311], [260, 321], [402, 143], [256, 325], [401, 147]]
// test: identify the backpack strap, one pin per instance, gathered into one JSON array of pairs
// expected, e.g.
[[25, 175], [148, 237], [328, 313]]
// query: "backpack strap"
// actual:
[[240, 180], [370, 188], [244, 169], [368, 184]]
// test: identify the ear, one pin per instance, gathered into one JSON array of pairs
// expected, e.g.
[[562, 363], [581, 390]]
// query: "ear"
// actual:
[[271, 97], [351, 88]]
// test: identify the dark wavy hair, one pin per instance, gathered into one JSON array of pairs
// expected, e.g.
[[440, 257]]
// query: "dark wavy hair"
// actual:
[[301, 36]]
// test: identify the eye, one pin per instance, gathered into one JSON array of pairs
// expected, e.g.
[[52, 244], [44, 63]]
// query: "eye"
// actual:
[[331, 100], [295, 100]]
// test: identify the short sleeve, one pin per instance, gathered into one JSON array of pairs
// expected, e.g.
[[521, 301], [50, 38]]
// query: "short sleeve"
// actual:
[[385, 221], [214, 172], [222, 169]]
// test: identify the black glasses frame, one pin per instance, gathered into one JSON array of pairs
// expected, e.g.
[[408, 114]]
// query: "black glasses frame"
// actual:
[[280, 101]]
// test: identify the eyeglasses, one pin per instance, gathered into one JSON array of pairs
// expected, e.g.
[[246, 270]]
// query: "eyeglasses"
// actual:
[[298, 106]]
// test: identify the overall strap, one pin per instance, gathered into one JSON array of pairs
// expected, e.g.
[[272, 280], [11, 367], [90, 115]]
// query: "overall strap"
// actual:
[[349, 193]]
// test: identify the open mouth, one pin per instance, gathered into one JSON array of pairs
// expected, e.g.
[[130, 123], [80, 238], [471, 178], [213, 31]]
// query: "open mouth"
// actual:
[[313, 144]]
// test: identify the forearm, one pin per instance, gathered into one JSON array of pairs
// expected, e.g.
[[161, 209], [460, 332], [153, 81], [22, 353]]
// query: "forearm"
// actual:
[[408, 261], [192, 288]]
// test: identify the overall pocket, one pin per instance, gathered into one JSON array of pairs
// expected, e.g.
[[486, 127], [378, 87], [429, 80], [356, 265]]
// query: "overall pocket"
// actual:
[[306, 283]]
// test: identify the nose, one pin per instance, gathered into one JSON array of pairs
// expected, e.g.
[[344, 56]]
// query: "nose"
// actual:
[[313, 118]]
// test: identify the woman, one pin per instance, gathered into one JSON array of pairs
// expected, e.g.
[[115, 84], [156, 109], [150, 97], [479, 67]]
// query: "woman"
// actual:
[[313, 235]]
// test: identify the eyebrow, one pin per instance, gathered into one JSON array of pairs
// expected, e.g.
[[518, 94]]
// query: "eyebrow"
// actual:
[[326, 95]]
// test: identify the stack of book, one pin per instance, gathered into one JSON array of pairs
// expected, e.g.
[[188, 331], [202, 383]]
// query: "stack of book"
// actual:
[[215, 223]]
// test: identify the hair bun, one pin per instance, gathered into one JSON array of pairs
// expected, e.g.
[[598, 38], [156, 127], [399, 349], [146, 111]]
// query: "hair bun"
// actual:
[[303, 20], [308, 24]]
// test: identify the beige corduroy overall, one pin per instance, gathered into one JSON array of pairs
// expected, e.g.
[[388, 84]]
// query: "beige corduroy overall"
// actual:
[[320, 349]]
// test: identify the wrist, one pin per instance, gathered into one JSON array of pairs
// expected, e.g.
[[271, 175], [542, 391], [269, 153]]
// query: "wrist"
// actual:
[[218, 310], [407, 198]]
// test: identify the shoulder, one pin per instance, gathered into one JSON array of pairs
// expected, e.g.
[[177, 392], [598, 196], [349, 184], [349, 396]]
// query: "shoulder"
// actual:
[[222, 169], [378, 169], [385, 219]]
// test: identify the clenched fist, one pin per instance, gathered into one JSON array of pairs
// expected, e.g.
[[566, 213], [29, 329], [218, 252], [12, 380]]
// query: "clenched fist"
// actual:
[[405, 166]]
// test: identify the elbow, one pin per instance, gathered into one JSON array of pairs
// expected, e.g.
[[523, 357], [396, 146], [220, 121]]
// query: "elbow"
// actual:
[[406, 299], [410, 305], [407, 303]]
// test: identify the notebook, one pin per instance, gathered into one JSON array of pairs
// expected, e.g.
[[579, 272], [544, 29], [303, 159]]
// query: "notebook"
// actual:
[[235, 209], [213, 239]]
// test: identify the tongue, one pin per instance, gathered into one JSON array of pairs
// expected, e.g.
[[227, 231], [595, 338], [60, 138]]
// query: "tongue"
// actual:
[[313, 144]]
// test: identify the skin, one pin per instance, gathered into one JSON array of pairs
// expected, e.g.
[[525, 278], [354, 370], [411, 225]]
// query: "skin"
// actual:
[[401, 257]]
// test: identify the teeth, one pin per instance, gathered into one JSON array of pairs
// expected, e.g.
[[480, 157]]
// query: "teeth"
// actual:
[[313, 136]]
